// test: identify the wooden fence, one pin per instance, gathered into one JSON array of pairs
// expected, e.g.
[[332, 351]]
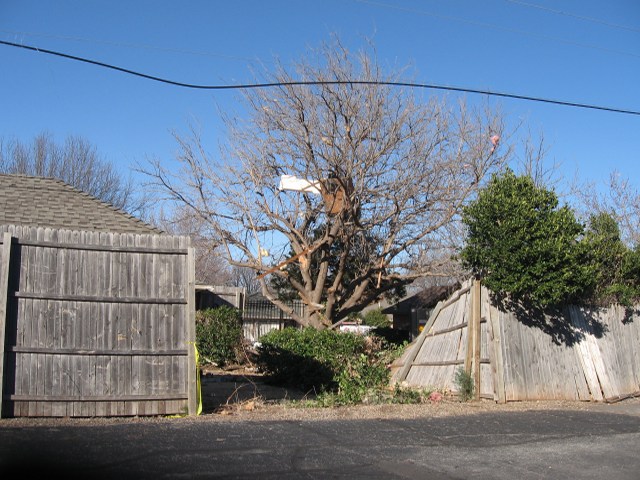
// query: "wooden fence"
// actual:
[[96, 324], [577, 354]]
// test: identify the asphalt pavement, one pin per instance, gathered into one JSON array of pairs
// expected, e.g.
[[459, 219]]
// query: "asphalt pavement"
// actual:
[[602, 443]]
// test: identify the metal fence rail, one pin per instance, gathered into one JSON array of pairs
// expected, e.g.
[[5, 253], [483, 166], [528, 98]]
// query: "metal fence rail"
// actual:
[[260, 316]]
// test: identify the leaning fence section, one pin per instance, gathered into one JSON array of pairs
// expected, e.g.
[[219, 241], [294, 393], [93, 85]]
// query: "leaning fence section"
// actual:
[[96, 324], [580, 353]]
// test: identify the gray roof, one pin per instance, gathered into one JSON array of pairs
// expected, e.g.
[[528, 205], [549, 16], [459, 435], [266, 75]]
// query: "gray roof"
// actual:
[[424, 299], [48, 202]]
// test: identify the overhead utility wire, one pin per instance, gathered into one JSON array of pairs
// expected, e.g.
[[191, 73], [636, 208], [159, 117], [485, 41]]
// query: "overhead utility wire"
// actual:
[[247, 86]]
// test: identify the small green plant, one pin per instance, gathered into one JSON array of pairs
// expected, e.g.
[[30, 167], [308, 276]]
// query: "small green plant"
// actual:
[[219, 335], [374, 396], [464, 382], [409, 395]]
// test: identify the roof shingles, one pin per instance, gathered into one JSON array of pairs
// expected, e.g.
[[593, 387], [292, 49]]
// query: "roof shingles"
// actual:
[[48, 202]]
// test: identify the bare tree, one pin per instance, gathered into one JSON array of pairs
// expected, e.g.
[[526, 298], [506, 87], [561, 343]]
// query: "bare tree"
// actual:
[[531, 160], [211, 268], [77, 163], [246, 278], [620, 199], [379, 171]]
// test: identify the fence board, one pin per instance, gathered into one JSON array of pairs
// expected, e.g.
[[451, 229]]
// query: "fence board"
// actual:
[[5, 257], [486, 349], [190, 315]]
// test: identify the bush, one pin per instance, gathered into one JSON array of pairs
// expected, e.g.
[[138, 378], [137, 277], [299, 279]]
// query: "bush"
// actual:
[[375, 318], [219, 335], [523, 243], [616, 267], [345, 367]]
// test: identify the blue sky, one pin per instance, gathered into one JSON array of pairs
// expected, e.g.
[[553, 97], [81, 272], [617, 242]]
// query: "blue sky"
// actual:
[[579, 51]]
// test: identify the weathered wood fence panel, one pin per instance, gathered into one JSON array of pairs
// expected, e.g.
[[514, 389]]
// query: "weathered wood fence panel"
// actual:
[[537, 368], [439, 357], [613, 347], [97, 324], [596, 356], [486, 343]]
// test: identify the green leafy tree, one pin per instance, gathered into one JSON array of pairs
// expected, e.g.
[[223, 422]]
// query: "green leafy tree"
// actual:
[[616, 267], [631, 275], [524, 244]]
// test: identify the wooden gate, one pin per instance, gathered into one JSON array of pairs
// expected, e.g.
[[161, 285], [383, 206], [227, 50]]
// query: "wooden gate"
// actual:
[[96, 324]]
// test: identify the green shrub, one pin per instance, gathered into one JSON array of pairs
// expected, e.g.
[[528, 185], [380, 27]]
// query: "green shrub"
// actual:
[[375, 318], [219, 335], [410, 395], [344, 367], [616, 267], [522, 242]]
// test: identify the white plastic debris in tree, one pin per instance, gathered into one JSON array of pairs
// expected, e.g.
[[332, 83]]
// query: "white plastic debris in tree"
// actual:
[[290, 182], [334, 197]]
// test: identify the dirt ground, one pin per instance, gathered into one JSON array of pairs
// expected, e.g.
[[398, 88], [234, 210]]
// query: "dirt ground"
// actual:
[[228, 390], [243, 394]]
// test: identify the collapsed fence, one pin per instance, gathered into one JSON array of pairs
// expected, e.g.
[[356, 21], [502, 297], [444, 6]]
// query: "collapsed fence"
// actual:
[[517, 354]]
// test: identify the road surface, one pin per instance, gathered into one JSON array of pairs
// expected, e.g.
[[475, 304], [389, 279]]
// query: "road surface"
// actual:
[[602, 443]]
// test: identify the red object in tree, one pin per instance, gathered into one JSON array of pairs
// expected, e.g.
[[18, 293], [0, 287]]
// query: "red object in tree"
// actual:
[[494, 141]]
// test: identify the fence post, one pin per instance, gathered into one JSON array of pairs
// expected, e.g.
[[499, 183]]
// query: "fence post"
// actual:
[[475, 298], [5, 259], [468, 356], [190, 319]]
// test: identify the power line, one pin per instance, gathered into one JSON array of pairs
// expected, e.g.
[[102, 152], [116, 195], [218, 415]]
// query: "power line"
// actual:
[[573, 15], [248, 86]]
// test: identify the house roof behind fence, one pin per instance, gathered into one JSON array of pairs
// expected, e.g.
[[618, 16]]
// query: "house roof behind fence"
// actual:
[[424, 299], [48, 202]]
